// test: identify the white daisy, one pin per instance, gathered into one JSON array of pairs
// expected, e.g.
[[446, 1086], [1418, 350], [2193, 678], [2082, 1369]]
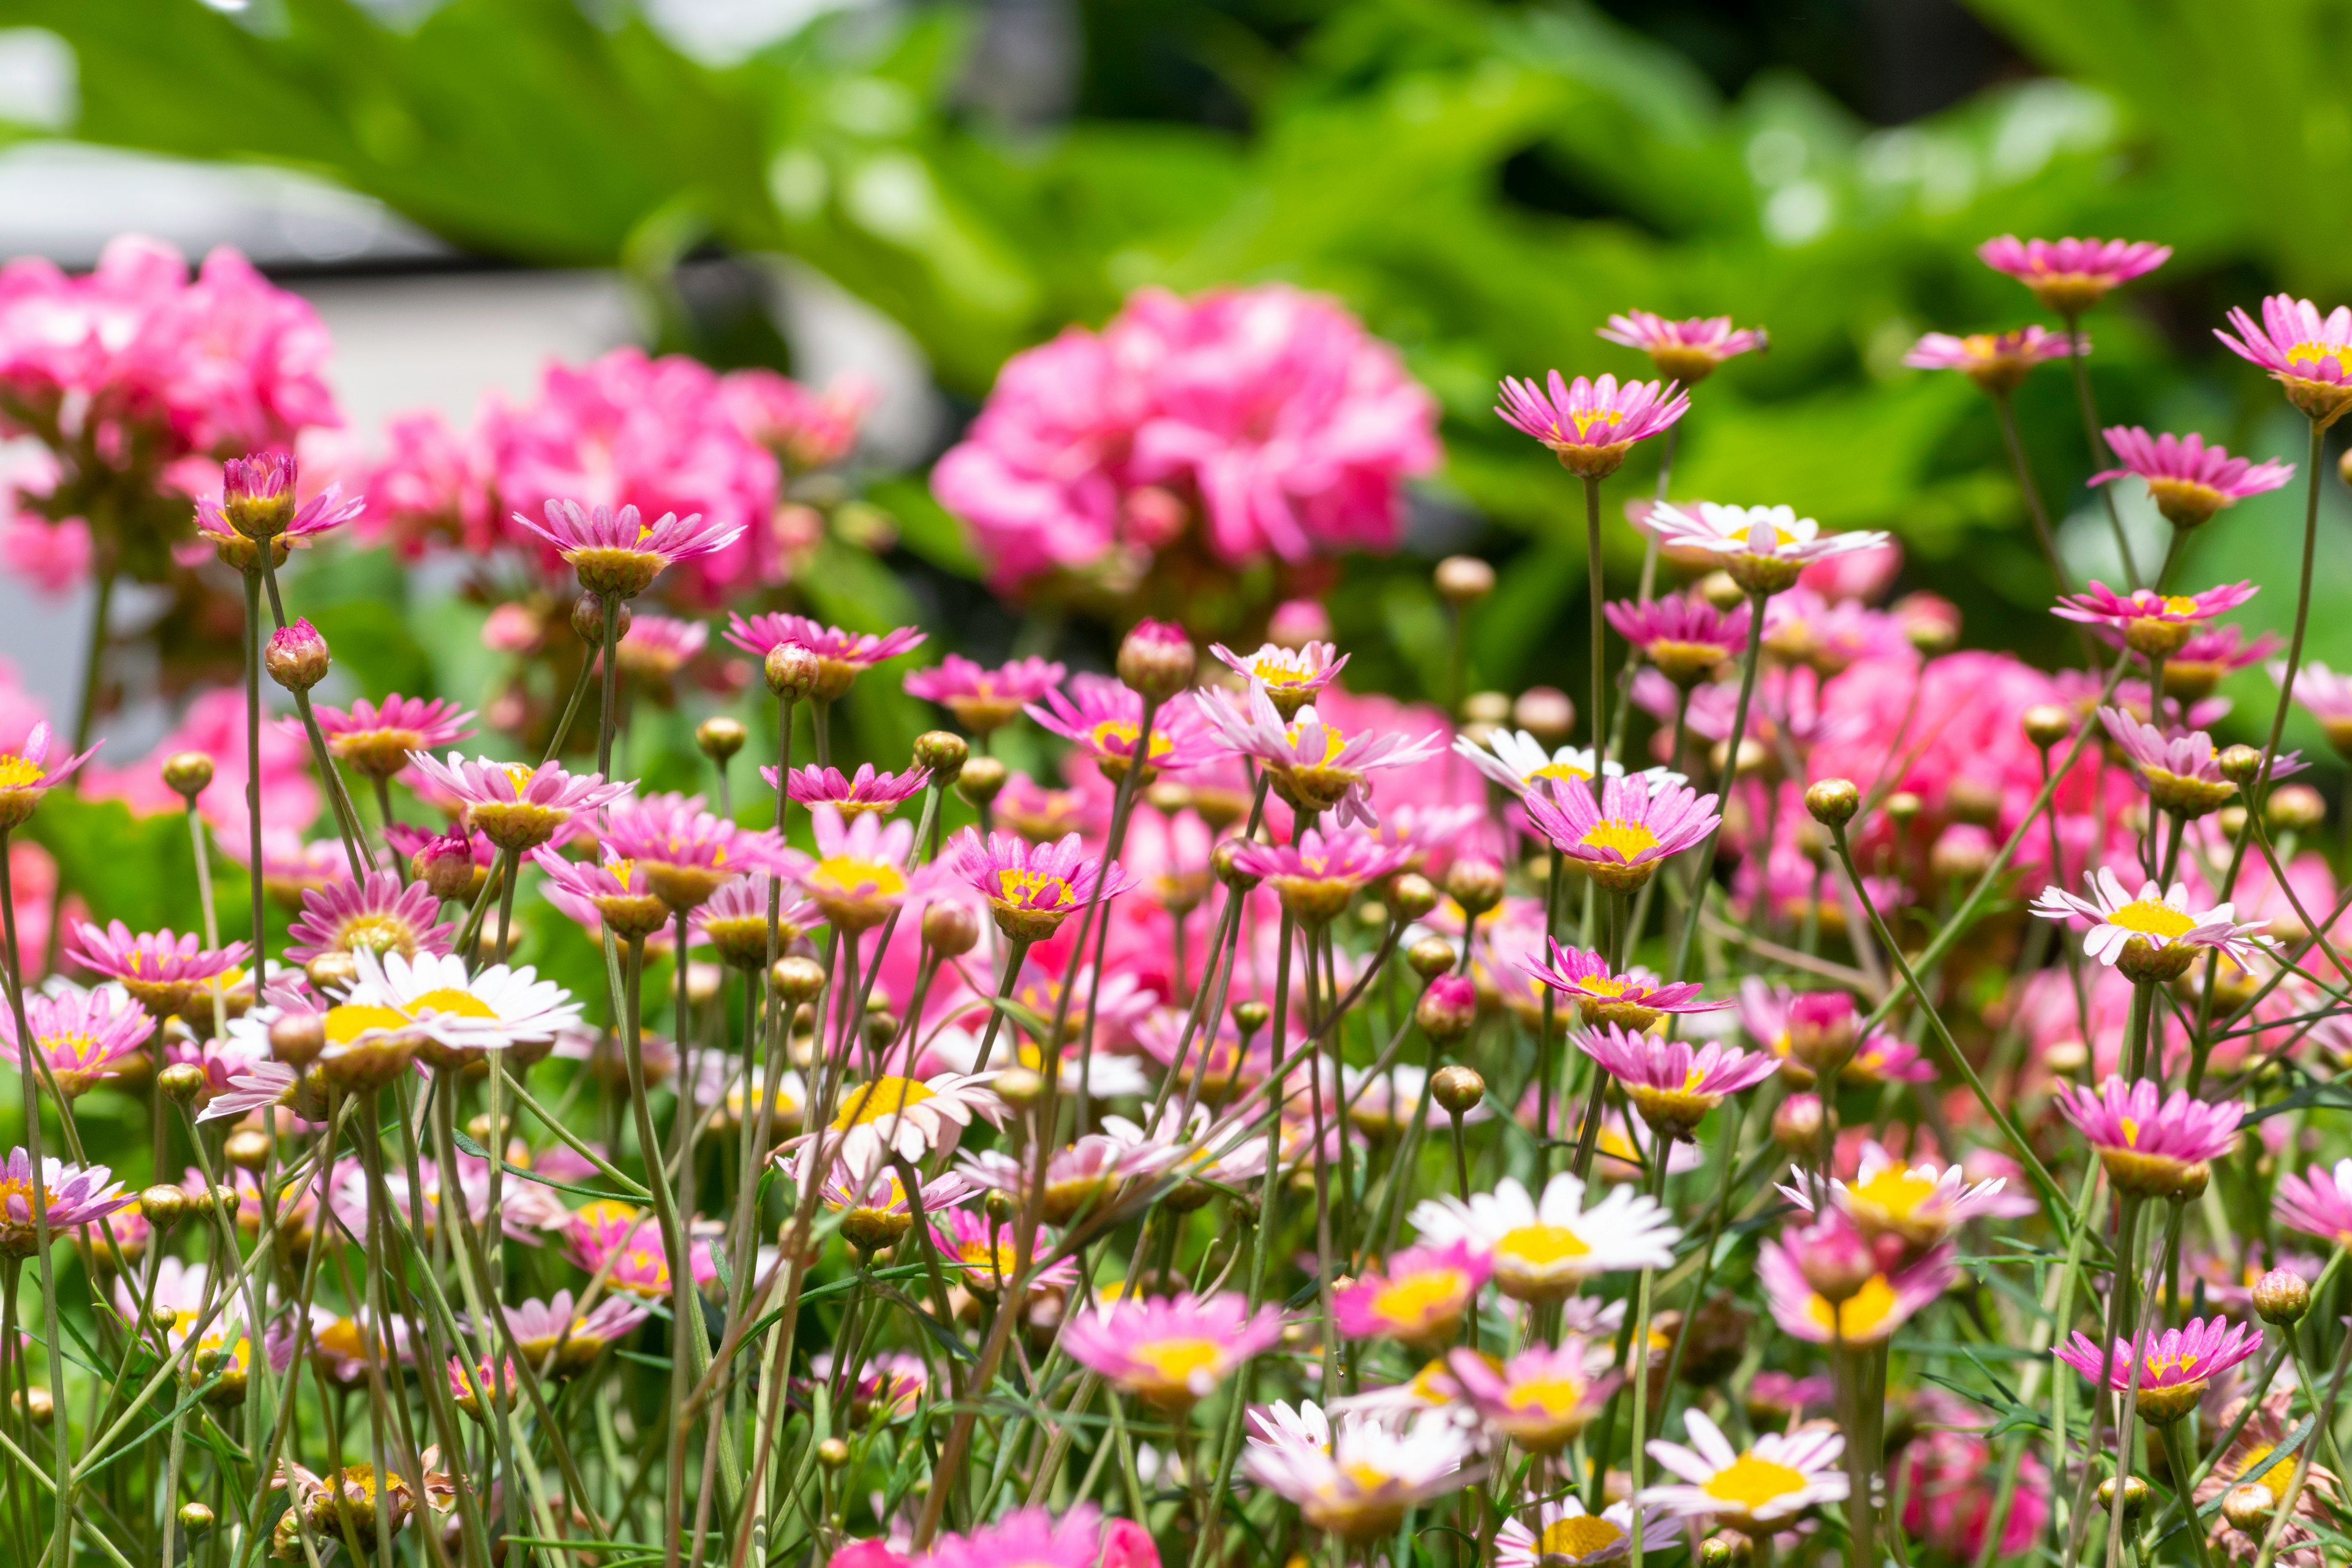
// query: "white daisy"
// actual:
[[493, 1009], [1568, 1535], [1783, 1475], [1770, 532], [2160, 917], [1918, 1203], [1359, 1481], [1543, 1251], [910, 1116]]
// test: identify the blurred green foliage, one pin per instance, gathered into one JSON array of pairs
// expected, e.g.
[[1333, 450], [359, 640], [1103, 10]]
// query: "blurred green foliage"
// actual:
[[1485, 182]]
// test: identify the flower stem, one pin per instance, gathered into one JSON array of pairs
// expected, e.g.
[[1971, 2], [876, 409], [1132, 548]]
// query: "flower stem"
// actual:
[[2319, 455], [1703, 862], [61, 1439], [2076, 362]]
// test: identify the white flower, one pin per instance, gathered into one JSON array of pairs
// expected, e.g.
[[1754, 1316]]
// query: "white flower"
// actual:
[[1782, 1474], [910, 1116], [2159, 916], [1542, 1251], [494, 1009], [1356, 1481], [1568, 1535], [1776, 532]]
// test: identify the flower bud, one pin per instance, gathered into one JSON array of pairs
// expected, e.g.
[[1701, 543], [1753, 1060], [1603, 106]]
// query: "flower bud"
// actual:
[[1448, 1008], [2249, 1507], [1020, 1088], [797, 980], [257, 493], [1718, 589], [1973, 801], [36, 1404], [297, 657], [2238, 764], [1902, 808], [1156, 660], [1546, 712], [1823, 1030], [793, 671], [1251, 1015], [1931, 621], [1832, 802], [1458, 1089], [2294, 808], [2064, 1058], [1462, 580], [180, 1082], [1834, 1257], [1723, 1552], [1430, 957], [951, 929], [296, 1039], [721, 737], [2047, 724], [1797, 1124], [248, 1149], [1475, 883], [944, 754], [446, 866], [2232, 820], [186, 773], [2190, 1185], [832, 1453], [1001, 1205], [163, 1205], [1227, 869], [1487, 708], [196, 1518], [331, 971], [1960, 853], [980, 780], [1410, 895], [2282, 1295], [2135, 1496], [588, 619]]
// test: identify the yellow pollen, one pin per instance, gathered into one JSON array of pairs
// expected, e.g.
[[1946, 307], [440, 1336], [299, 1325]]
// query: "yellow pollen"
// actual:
[[1174, 1361], [844, 872], [1750, 1483], [2258, 1462], [348, 1023], [1418, 1299], [1604, 986], [1566, 772], [16, 773], [1032, 888], [1860, 1314], [1578, 1536], [78, 1048], [2152, 917], [453, 1000], [1584, 419], [377, 933], [2163, 1365], [870, 1102], [1895, 1189], [1627, 840], [1557, 1397], [2131, 1131], [2312, 353], [1543, 1244], [519, 776], [1278, 674], [2179, 605]]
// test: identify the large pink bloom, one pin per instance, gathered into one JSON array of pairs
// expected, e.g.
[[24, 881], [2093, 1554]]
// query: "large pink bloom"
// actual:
[[2309, 355]]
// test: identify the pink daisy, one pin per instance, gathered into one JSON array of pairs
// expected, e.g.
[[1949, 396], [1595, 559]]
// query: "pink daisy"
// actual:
[[71, 1196], [2069, 276], [83, 1035], [1171, 1351], [1591, 424], [376, 739], [2179, 1364], [1293, 677], [1671, 1084], [2327, 696], [982, 1248], [1765, 548], [870, 791], [1868, 1317], [1417, 1297], [613, 891], [860, 874], [2310, 356], [1638, 823], [2161, 920], [687, 853], [984, 700], [1316, 875], [1636, 999], [1684, 637], [1101, 716], [1686, 352], [842, 657], [2153, 624], [1997, 362], [165, 973], [2181, 772], [1541, 1398], [1033, 888], [2319, 1203], [380, 915], [2188, 481], [656, 647], [514, 805], [1317, 767], [1028, 1538], [2148, 1141], [257, 502], [2210, 653], [618, 555], [26, 775]]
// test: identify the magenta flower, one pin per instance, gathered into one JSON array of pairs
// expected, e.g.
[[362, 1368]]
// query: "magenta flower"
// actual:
[[2191, 673], [26, 775], [1034, 888], [1293, 677], [71, 1196], [841, 656], [380, 915], [617, 553], [870, 791], [1417, 1297], [165, 973], [376, 739], [1634, 999], [1317, 767], [1637, 824], [82, 1035], [1541, 1398], [984, 700], [2148, 1141], [1683, 635], [656, 647], [983, 1248], [613, 891], [2069, 276], [860, 873], [1671, 1084], [2179, 1364], [687, 853], [1591, 424], [2188, 481], [258, 502], [2153, 624], [2325, 696], [2309, 355], [1026, 1538], [805, 429], [1686, 352], [1996, 361], [1316, 875], [1102, 717], [2319, 1204], [2181, 772], [1034, 811], [1870, 1314], [514, 805], [1171, 1351]]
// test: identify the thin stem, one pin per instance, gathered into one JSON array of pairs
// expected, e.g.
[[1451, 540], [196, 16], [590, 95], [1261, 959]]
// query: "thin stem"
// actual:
[[2317, 456], [1703, 862], [2079, 365], [1598, 719]]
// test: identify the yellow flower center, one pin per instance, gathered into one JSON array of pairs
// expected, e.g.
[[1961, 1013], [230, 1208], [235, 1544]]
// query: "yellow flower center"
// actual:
[[1032, 888], [1542, 1244], [2179, 605], [845, 873], [1603, 985], [1626, 840], [348, 1023], [1578, 1536], [870, 1102], [2162, 1366], [2258, 1461], [1584, 419], [1416, 1299], [453, 1000], [377, 934], [1556, 1397], [2152, 917], [1860, 1315], [1333, 742], [1566, 772], [518, 776], [1748, 1483], [2311, 354], [1895, 1189], [1174, 1361], [74, 1047], [16, 772], [1275, 673]]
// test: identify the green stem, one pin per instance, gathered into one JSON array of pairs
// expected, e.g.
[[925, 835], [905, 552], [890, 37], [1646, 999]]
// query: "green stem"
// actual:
[[2079, 365], [1701, 865]]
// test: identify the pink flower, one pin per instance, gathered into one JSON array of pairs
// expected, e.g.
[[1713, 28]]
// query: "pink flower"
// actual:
[[842, 657], [616, 554], [656, 647], [2210, 653], [1997, 362], [381, 915], [2188, 481], [2181, 772], [82, 1035], [1803, 627], [375, 739], [2309, 356], [2325, 696], [984, 700], [1318, 873], [2148, 1141], [1948, 1480], [164, 972], [870, 791], [1293, 677], [2069, 276], [1317, 767], [1673, 1086], [1102, 717], [686, 852], [1634, 999], [1033, 888], [1684, 351], [2160, 920], [27, 775], [514, 805], [71, 1196], [2179, 1362], [1591, 424], [1418, 1296], [1637, 824], [53, 556], [805, 429], [1171, 1351], [1540, 1398], [432, 487], [1683, 635], [2319, 1203], [860, 874], [2153, 624], [1763, 547], [1034, 811], [983, 1249], [1026, 1538]]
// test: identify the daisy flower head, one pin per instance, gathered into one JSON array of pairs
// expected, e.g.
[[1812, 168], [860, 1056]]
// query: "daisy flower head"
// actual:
[[375, 739], [1682, 635], [1033, 888], [2210, 653], [613, 890], [687, 853], [1540, 1399], [1565, 1536], [494, 1009], [853, 797], [889, 1387], [380, 915], [1997, 362], [1870, 1314], [841, 656], [2069, 276], [1093, 1176], [1634, 999], [656, 647], [1541, 1249], [2327, 696], [617, 553], [1026, 1538], [26, 775], [1638, 823], [1103, 718], [735, 921], [1293, 677], [2319, 1203], [1317, 767], [2308, 354], [986, 1250], [908, 1117], [554, 1337], [859, 875], [1521, 763], [1750, 1489], [984, 700], [2179, 1364], [874, 1207], [165, 973], [2181, 772], [1918, 1203], [1417, 1297], [71, 1196], [2151, 1144], [1686, 352], [611, 1238], [1590, 425], [1671, 1084], [2154, 936], [1358, 1483], [82, 1035], [257, 503], [1765, 548], [2153, 625], [1317, 873], [513, 805], [1171, 1351], [2188, 481]]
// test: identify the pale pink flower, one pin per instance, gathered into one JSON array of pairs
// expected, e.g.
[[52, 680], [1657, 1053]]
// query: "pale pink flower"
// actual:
[[376, 738], [83, 1035], [984, 700], [1541, 1398], [1357, 1482], [1418, 1296], [842, 657], [656, 647], [1754, 536], [860, 873], [165, 971], [983, 1249], [1684, 637], [27, 775], [2318, 1202], [2309, 355], [1317, 874], [1293, 677], [517, 806], [71, 1196], [1591, 424], [381, 915], [618, 555], [1171, 1351], [1998, 361], [1024, 1538], [1686, 352], [1949, 1481], [2161, 918], [1103, 717], [1634, 998], [2069, 276], [1671, 1084], [1885, 1302], [1317, 767], [870, 791], [2152, 623], [2188, 481]]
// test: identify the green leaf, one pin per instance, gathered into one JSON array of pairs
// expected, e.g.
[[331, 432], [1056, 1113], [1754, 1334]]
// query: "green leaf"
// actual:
[[467, 1146], [137, 869]]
